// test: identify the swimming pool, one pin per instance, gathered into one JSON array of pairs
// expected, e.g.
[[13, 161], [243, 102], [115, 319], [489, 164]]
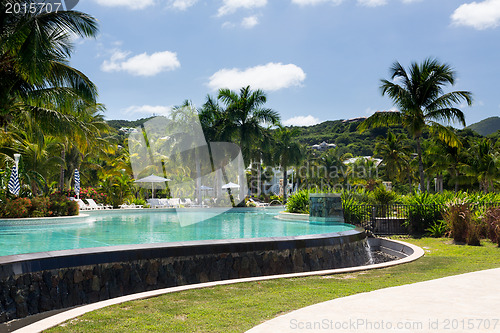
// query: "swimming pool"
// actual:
[[112, 228]]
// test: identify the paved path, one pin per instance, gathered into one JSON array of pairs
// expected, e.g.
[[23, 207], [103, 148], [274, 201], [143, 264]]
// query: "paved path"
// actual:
[[462, 303]]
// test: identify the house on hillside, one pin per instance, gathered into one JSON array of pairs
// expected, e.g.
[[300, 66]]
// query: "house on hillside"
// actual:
[[323, 146]]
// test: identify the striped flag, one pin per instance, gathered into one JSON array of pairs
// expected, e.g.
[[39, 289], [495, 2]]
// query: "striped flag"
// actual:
[[14, 185], [77, 182]]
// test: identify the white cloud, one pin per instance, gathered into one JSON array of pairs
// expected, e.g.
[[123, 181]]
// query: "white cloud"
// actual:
[[131, 4], [315, 2], [250, 22], [141, 64], [182, 4], [149, 109], [302, 121], [372, 3], [272, 76], [230, 6], [479, 15]]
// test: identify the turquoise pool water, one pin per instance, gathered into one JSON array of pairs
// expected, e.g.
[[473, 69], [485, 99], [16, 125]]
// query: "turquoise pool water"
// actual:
[[149, 226]]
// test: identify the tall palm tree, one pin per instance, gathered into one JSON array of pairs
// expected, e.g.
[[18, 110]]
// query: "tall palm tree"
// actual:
[[287, 152], [245, 117], [419, 94]]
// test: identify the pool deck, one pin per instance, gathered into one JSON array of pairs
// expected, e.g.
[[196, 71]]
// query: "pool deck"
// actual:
[[463, 303]]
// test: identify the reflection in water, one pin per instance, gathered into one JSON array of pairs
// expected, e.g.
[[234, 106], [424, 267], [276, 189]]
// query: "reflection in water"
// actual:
[[149, 226]]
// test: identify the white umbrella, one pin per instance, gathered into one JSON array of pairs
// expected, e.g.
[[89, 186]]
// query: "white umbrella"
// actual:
[[230, 185], [152, 179]]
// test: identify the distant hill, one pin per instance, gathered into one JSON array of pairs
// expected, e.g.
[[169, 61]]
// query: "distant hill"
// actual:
[[486, 126], [117, 124]]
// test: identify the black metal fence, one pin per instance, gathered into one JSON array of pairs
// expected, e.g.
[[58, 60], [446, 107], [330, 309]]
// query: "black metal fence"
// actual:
[[398, 219]]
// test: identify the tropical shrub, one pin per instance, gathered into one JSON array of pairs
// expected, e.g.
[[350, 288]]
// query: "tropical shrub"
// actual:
[[55, 205], [382, 196], [354, 213], [438, 229], [492, 220], [40, 207], [17, 208], [424, 210], [298, 202], [462, 223]]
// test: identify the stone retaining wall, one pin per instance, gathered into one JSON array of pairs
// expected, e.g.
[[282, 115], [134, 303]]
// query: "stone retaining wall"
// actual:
[[37, 290]]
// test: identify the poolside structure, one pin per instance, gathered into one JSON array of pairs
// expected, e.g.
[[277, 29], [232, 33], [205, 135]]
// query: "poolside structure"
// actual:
[[42, 281]]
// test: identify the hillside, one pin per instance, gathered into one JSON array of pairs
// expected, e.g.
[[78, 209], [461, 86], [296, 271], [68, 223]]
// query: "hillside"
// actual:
[[117, 124], [486, 126]]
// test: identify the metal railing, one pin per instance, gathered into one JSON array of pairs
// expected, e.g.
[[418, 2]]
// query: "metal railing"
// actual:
[[399, 219]]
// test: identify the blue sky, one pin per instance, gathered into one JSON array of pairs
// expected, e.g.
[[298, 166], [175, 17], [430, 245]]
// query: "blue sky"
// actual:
[[317, 60]]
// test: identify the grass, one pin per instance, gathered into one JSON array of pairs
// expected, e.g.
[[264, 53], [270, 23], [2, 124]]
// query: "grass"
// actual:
[[239, 307]]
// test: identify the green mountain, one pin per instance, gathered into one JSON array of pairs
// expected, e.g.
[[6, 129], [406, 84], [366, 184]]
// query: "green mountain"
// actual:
[[486, 126], [117, 124]]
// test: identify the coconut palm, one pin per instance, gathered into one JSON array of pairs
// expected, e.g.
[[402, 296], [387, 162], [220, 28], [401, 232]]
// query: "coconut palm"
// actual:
[[34, 73], [245, 117], [395, 153], [419, 94], [484, 164], [287, 152]]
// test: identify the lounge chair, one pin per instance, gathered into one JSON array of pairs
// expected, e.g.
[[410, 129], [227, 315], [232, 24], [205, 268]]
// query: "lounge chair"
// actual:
[[258, 203], [158, 203], [174, 202], [131, 206], [95, 205], [82, 205]]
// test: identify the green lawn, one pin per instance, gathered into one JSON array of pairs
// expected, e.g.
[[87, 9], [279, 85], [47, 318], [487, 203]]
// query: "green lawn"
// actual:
[[239, 307]]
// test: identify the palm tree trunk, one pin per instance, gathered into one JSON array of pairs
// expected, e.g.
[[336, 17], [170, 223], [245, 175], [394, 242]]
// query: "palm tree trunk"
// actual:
[[61, 171], [420, 165], [284, 184]]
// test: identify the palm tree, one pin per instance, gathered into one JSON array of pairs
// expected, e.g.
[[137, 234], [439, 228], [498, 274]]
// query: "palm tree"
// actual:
[[484, 164], [245, 117], [34, 73], [287, 152], [422, 102], [395, 153]]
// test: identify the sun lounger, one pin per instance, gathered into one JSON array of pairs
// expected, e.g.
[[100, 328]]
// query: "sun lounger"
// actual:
[[258, 203], [95, 205], [131, 206], [82, 205], [159, 203]]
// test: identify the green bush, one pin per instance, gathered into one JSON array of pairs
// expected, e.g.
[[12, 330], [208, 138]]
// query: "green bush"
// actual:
[[55, 205], [438, 229], [381, 196], [298, 202], [424, 210], [354, 213], [17, 208], [40, 207]]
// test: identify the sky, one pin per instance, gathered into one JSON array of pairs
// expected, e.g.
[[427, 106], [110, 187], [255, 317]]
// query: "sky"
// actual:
[[316, 60]]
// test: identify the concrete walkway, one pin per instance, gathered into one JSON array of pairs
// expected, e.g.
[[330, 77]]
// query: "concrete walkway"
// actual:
[[462, 303]]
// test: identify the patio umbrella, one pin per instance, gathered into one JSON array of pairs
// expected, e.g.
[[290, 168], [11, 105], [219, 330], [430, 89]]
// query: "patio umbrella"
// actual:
[[13, 185], [77, 183], [230, 186], [152, 179]]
